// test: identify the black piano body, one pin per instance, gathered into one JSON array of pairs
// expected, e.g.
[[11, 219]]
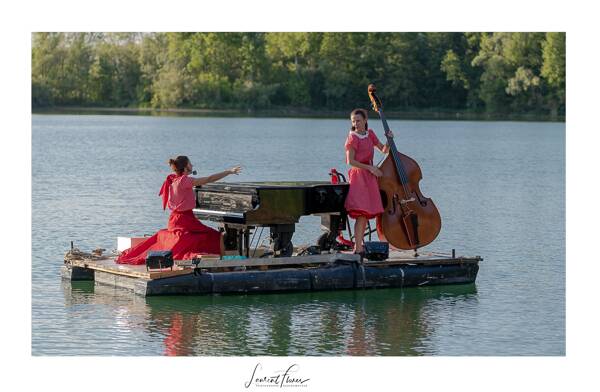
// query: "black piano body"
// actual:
[[242, 207]]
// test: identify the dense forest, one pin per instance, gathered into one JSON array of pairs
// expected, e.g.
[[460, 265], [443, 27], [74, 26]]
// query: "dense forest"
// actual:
[[473, 72]]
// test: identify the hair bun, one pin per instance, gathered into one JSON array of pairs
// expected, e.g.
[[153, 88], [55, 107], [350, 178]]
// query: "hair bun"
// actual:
[[179, 164]]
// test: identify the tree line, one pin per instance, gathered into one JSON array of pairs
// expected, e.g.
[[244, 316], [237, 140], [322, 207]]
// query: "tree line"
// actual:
[[479, 72]]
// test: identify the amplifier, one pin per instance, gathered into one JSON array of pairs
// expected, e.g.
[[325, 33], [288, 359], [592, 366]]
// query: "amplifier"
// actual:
[[159, 259], [377, 250]]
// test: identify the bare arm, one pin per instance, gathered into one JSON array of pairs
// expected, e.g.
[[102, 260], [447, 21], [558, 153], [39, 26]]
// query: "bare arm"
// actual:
[[353, 162], [216, 176], [384, 148]]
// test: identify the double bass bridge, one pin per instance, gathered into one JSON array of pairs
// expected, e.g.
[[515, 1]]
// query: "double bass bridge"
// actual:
[[402, 202], [406, 201]]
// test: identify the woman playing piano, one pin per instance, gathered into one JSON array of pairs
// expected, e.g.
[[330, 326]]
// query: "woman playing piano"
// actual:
[[185, 235], [363, 201]]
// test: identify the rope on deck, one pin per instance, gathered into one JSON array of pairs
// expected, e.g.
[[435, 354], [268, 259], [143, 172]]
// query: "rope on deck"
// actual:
[[77, 254]]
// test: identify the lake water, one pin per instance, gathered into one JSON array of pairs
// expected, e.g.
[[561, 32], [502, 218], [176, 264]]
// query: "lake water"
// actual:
[[499, 186]]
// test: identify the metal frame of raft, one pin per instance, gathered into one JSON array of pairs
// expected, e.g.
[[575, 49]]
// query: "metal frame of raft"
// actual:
[[331, 271]]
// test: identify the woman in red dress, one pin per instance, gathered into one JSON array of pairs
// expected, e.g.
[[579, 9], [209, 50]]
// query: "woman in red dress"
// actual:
[[185, 235], [363, 201]]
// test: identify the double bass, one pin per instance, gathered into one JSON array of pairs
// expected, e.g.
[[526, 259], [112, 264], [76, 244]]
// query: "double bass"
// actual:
[[409, 220]]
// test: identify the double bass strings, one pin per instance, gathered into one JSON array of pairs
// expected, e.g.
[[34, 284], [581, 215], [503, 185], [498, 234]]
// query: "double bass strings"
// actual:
[[394, 151], [377, 106]]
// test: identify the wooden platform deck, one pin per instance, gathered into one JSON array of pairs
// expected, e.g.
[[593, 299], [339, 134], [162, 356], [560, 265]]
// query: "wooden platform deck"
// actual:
[[305, 272]]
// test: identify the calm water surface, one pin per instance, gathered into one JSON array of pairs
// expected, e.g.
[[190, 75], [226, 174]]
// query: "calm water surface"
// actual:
[[500, 188]]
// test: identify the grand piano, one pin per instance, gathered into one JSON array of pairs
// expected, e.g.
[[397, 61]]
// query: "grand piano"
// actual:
[[241, 207]]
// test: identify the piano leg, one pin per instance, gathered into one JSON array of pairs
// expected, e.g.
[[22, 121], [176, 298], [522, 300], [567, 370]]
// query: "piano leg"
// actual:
[[332, 224], [247, 241], [240, 242], [281, 236], [231, 239], [238, 238]]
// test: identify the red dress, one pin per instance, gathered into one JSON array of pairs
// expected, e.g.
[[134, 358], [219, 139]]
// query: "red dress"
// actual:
[[363, 196], [185, 235]]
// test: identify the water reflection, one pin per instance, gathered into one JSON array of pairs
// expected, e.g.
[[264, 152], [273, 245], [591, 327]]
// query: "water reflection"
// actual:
[[503, 318], [357, 323]]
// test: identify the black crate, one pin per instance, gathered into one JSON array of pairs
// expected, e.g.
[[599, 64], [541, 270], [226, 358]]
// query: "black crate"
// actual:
[[377, 250], [159, 259]]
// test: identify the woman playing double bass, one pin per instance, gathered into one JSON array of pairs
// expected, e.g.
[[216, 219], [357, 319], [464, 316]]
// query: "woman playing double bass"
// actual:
[[409, 220], [363, 201]]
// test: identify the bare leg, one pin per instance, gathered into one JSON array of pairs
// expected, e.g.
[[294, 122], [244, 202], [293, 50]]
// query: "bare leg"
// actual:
[[359, 233]]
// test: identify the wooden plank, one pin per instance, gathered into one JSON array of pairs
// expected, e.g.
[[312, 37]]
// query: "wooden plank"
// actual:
[[139, 271], [108, 265], [279, 261], [257, 252]]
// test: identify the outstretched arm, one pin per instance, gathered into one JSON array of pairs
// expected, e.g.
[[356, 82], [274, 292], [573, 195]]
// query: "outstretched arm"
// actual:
[[217, 176]]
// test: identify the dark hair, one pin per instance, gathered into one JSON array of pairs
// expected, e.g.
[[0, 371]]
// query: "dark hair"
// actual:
[[179, 164], [364, 115]]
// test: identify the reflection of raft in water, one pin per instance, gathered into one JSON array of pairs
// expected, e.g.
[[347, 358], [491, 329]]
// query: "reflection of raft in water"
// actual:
[[328, 271]]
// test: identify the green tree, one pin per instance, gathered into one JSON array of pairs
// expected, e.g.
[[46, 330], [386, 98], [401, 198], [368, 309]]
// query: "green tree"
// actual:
[[226, 64], [464, 78], [553, 68], [47, 59], [153, 56], [172, 84], [287, 54], [511, 67], [342, 63], [116, 72], [77, 63], [498, 72], [171, 88], [452, 65], [524, 54]]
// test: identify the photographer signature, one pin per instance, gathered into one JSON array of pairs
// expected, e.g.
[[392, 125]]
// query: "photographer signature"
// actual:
[[283, 378]]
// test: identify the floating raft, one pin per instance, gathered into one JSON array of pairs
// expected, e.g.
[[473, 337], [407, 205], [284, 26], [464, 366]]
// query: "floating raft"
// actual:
[[330, 271]]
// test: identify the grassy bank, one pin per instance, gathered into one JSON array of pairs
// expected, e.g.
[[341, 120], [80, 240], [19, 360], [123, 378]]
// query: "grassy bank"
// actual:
[[290, 112]]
